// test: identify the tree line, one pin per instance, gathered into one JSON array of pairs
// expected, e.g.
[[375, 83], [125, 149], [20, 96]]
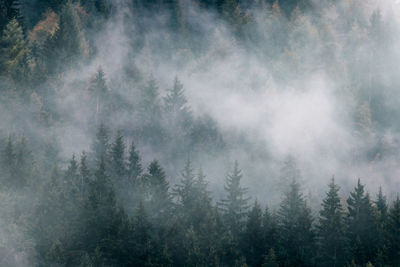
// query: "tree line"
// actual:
[[107, 209]]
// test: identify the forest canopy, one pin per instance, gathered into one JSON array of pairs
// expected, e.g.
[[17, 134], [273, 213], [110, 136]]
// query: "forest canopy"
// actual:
[[199, 133]]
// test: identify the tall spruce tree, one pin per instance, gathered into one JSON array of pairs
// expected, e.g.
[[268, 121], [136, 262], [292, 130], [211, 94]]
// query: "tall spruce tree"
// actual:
[[297, 238], [331, 229], [253, 242], [361, 226], [160, 198], [185, 191], [100, 145], [235, 204], [393, 234], [118, 157], [15, 53]]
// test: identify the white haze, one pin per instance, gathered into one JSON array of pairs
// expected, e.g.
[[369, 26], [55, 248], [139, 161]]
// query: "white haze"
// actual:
[[308, 115]]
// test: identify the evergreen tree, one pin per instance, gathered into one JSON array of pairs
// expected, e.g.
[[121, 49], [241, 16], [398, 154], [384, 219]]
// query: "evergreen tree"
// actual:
[[295, 229], [118, 156], [270, 229], [185, 191], [361, 226], [175, 102], [85, 175], [235, 204], [100, 146], [393, 234], [331, 229], [160, 199], [15, 53], [99, 92], [382, 216], [253, 238], [99, 211], [134, 168], [142, 230], [382, 207], [72, 175]]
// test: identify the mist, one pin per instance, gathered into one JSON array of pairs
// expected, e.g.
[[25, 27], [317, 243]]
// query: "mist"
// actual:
[[281, 96]]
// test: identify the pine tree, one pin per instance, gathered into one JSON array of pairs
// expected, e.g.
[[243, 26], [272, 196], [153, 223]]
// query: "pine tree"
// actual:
[[253, 243], [270, 229], [100, 146], [15, 52], [69, 36], [175, 101], [150, 106], [393, 234], [295, 228], [99, 92], [382, 216], [331, 229], [361, 226], [160, 199], [381, 206], [72, 175], [235, 204], [85, 175], [99, 211], [134, 168], [118, 156], [142, 230], [185, 190]]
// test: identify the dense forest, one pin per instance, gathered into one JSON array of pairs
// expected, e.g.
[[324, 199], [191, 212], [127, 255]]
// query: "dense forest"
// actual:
[[199, 133]]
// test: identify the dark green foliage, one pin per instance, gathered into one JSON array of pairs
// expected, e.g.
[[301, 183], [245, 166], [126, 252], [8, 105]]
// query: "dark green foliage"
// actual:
[[118, 157], [134, 166], [253, 242], [160, 201], [296, 235], [361, 226], [331, 229], [14, 53], [393, 233], [235, 204], [100, 146]]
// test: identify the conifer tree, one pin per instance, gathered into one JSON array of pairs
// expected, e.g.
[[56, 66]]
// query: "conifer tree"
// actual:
[[185, 190], [160, 199], [253, 238], [270, 229], [118, 157], [15, 52], [69, 37], [382, 216], [85, 175], [361, 226], [99, 91], [295, 228], [100, 146], [142, 231], [235, 204], [134, 168], [393, 234], [72, 175], [331, 229]]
